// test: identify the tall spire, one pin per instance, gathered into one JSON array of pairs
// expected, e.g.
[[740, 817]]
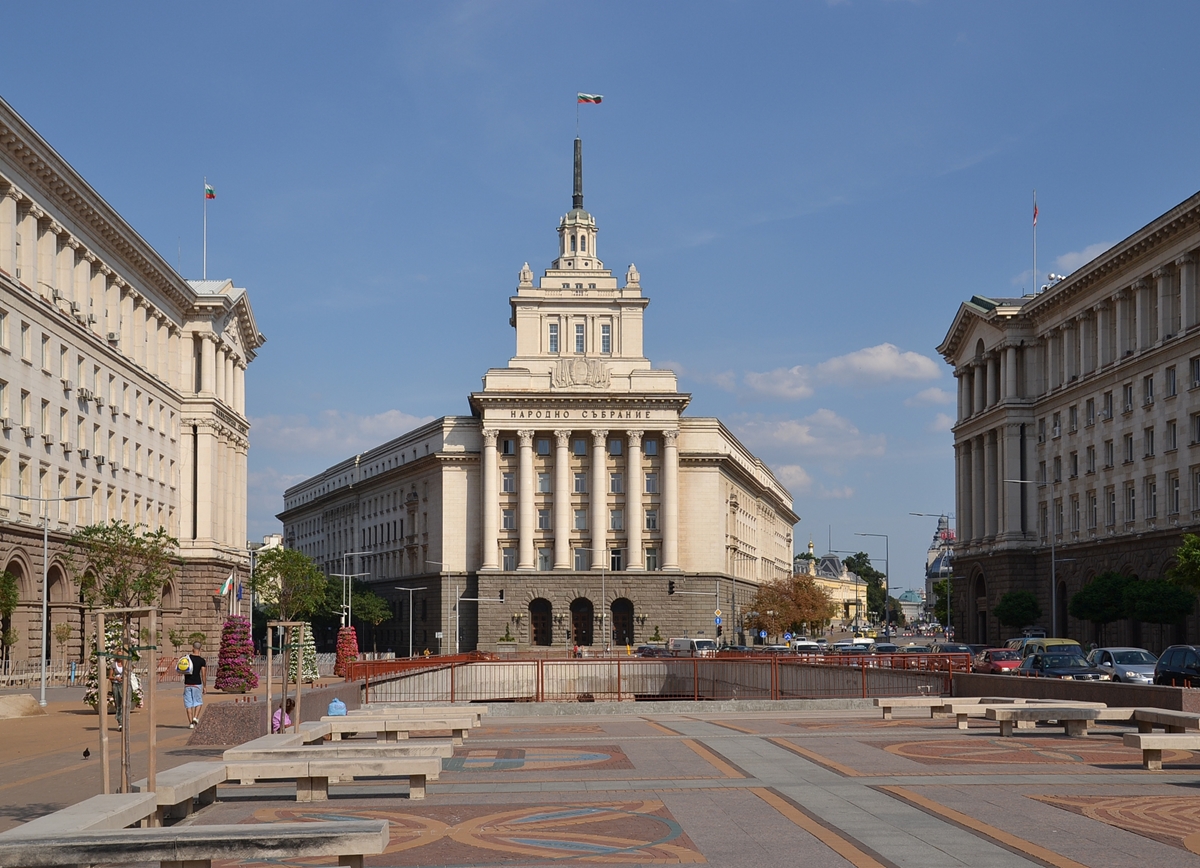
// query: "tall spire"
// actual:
[[577, 198]]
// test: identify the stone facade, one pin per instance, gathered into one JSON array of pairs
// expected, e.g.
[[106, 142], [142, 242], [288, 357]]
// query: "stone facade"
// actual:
[[1076, 445], [121, 384], [576, 487]]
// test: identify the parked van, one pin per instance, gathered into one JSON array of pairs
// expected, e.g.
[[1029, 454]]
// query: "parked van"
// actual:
[[692, 647], [1052, 646], [805, 646]]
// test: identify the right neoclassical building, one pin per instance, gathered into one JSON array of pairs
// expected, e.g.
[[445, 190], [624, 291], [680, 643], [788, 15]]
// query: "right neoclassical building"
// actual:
[[1077, 443]]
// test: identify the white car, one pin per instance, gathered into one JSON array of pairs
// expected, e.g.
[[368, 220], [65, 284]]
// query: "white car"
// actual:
[[1128, 665]]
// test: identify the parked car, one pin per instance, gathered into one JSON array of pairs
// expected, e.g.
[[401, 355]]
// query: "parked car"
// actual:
[[951, 648], [1179, 666], [997, 661], [886, 648], [978, 649], [916, 649], [1128, 665], [1061, 665], [805, 646], [777, 649], [1044, 645], [685, 647], [651, 651]]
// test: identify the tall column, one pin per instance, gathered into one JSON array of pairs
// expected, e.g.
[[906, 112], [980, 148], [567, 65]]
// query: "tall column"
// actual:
[[1164, 285], [8, 230], [1188, 313], [1012, 470], [562, 500], [219, 370], [963, 404], [1087, 342], [962, 488], [1144, 326], [98, 287], [670, 500], [208, 364], [633, 501], [151, 329], [1011, 389], [978, 490], [526, 526], [991, 497], [229, 384], [599, 504], [239, 387], [139, 331], [979, 388], [989, 362], [1070, 337], [491, 501], [164, 348], [126, 317], [205, 476], [175, 359]]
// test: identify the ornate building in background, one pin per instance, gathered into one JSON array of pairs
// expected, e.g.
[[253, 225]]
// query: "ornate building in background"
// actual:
[[570, 502], [1076, 445], [121, 384]]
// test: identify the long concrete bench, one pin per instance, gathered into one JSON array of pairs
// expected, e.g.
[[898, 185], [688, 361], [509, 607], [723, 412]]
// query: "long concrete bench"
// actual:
[[312, 776], [105, 812], [1152, 745], [199, 846], [177, 788], [391, 730], [342, 750], [1171, 721], [1073, 719], [401, 712], [889, 703]]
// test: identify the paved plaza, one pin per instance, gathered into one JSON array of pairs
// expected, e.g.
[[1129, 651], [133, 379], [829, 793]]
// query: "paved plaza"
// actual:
[[761, 788]]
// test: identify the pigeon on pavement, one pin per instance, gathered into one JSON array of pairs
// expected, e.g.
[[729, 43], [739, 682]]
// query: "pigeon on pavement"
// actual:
[[87, 752]]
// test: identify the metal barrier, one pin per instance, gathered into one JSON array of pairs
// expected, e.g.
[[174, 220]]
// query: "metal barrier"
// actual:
[[445, 679]]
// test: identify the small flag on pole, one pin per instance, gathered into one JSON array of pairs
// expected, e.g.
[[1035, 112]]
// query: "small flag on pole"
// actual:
[[209, 192], [593, 98], [225, 588], [1035, 211]]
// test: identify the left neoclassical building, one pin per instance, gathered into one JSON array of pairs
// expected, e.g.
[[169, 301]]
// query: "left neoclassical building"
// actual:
[[120, 383], [570, 502]]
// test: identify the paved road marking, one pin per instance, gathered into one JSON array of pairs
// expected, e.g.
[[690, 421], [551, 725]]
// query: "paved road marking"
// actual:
[[825, 762], [653, 725], [835, 842], [713, 760], [1004, 839]]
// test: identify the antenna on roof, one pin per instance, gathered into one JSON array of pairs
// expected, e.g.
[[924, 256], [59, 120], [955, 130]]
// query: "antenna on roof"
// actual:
[[577, 196]]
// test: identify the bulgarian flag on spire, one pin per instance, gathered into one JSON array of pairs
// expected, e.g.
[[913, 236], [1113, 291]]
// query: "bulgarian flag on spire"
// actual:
[[593, 98], [209, 192]]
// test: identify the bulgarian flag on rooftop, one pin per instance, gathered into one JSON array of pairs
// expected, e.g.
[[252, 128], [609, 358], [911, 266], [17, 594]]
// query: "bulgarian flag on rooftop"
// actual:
[[594, 98], [209, 192]]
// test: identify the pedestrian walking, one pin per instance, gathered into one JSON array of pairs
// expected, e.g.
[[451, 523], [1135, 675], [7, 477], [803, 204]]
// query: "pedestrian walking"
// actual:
[[116, 679], [195, 675], [281, 720]]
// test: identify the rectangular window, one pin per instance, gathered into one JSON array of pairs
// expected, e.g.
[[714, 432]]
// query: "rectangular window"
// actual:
[[1042, 472], [508, 519], [1148, 441], [554, 337], [581, 483], [1130, 502], [1057, 468], [508, 447], [1110, 506], [616, 519], [581, 519], [1057, 425], [1075, 513], [583, 559], [1195, 428], [1171, 436], [606, 339], [1194, 364], [26, 410], [1151, 497], [1043, 520], [1170, 389], [545, 559], [1092, 511], [650, 447], [1073, 417], [508, 483], [579, 338], [45, 420], [1173, 494], [543, 519], [45, 353], [652, 519], [1108, 405], [543, 483], [1128, 447], [1073, 464], [615, 485], [1109, 454], [651, 483], [1041, 430], [1148, 389], [4, 399], [1090, 412], [614, 448], [579, 446], [616, 560], [509, 559], [1127, 389], [1091, 459], [542, 446], [64, 367], [26, 342], [1058, 517], [652, 559], [4, 328]]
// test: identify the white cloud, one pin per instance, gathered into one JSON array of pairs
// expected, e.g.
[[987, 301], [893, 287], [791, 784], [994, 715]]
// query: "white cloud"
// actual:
[[941, 423], [724, 380], [1068, 262], [823, 434], [932, 395], [794, 478], [878, 364], [789, 383], [331, 431]]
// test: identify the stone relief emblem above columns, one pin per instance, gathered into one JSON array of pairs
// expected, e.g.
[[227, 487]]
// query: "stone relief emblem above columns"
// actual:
[[580, 372]]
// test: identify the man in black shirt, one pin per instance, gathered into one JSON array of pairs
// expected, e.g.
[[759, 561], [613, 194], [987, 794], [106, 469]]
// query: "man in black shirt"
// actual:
[[193, 685]]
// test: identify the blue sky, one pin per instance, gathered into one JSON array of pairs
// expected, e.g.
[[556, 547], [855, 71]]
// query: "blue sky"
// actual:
[[808, 189]]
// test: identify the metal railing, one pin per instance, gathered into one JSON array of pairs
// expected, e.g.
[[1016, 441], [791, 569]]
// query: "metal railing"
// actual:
[[446, 679]]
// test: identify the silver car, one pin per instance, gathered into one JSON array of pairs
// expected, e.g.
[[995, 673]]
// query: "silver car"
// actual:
[[1128, 665]]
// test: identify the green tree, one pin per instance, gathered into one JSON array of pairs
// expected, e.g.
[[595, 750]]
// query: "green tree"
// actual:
[[1157, 601], [1186, 571], [288, 584], [1101, 601], [860, 565], [941, 601], [123, 566], [1018, 609], [10, 596], [372, 608]]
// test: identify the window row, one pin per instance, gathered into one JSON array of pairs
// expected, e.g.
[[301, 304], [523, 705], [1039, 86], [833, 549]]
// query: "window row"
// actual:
[[1148, 499], [580, 334], [582, 559], [1053, 471], [579, 447], [1107, 405], [616, 483], [616, 519]]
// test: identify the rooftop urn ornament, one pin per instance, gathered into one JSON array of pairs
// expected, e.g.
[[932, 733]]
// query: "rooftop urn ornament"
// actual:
[[632, 278], [525, 278]]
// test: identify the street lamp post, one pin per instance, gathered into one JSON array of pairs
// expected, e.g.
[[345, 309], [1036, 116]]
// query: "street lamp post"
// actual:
[[410, 617], [45, 502], [887, 619], [346, 579]]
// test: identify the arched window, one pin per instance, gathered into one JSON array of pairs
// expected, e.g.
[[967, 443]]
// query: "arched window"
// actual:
[[622, 621], [572, 243], [541, 631], [582, 614], [583, 243]]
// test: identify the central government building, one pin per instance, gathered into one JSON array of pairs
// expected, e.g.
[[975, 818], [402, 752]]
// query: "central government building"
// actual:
[[576, 504]]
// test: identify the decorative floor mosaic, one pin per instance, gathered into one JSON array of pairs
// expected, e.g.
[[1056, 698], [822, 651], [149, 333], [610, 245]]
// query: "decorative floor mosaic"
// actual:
[[1087, 751], [1173, 820], [541, 759]]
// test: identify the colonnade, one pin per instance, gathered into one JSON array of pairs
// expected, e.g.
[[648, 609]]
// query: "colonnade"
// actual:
[[598, 535], [988, 507]]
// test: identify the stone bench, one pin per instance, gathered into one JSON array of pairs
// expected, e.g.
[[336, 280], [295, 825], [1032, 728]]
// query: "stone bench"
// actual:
[[342, 750], [1073, 719], [200, 846], [402, 712], [1152, 745], [312, 776], [99, 813], [889, 703], [1172, 721], [386, 729], [175, 789]]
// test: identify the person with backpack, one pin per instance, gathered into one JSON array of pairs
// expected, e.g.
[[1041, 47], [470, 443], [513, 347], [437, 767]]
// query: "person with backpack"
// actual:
[[195, 674]]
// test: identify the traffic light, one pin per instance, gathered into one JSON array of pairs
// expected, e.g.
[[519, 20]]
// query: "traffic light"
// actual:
[[671, 586], [502, 595], [719, 629]]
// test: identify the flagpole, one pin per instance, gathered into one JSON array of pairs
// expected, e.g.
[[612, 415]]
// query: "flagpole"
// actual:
[[1035, 242], [204, 268]]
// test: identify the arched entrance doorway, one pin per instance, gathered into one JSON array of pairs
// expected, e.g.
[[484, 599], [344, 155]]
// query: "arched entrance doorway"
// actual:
[[541, 631], [582, 614], [622, 621], [56, 595]]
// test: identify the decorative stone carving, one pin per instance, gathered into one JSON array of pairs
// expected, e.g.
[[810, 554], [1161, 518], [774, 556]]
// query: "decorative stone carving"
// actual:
[[580, 372], [526, 438], [670, 436], [562, 439], [525, 278], [635, 439], [1186, 259], [632, 278], [599, 437], [489, 437]]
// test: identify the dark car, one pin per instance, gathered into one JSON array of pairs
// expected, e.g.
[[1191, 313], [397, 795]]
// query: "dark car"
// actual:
[[652, 651], [951, 648], [1179, 666], [1069, 666]]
